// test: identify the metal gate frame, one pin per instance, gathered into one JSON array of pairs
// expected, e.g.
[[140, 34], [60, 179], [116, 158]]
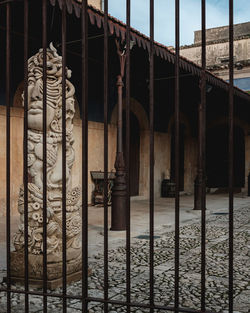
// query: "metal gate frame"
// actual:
[[201, 164]]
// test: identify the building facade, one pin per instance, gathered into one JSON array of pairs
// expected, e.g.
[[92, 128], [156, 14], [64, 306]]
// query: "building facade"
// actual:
[[96, 3], [217, 40]]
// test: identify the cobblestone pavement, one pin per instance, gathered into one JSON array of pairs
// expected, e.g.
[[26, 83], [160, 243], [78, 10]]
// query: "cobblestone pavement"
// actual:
[[217, 270]]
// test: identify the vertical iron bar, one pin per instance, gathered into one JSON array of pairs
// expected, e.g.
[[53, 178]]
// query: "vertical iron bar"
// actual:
[[177, 151], [202, 146], [44, 14], [64, 215], [151, 101], [231, 151], [25, 157], [84, 156], [128, 226], [8, 12], [106, 275]]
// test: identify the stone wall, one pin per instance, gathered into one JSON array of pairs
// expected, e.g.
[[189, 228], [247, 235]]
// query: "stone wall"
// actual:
[[95, 151], [96, 3], [16, 160], [222, 33], [95, 157], [217, 54]]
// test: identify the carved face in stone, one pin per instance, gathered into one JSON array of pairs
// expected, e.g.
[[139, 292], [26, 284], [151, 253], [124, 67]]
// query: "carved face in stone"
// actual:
[[35, 107], [54, 91]]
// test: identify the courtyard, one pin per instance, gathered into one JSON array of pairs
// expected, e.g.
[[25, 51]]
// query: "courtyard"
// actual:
[[216, 258]]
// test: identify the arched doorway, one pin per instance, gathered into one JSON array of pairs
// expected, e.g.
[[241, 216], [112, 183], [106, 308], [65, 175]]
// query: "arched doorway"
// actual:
[[134, 152], [181, 155], [217, 159]]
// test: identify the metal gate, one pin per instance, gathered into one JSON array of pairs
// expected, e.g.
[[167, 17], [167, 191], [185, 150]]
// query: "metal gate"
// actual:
[[7, 5]]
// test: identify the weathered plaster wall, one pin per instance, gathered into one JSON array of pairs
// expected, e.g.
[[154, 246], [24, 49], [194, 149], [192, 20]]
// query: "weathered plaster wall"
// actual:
[[162, 160], [16, 160], [96, 3], [221, 33], [95, 151], [95, 157], [218, 51]]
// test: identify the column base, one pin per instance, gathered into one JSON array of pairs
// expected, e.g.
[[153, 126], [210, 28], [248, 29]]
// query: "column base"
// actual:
[[51, 284], [54, 269]]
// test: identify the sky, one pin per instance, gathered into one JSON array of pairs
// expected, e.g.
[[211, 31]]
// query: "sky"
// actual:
[[190, 16]]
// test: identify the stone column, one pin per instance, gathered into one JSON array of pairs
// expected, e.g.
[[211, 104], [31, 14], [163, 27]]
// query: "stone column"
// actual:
[[54, 180]]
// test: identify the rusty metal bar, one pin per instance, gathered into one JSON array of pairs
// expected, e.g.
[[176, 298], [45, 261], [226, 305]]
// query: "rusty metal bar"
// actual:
[[44, 43], [146, 306], [106, 274], [114, 302], [64, 189], [202, 155], [231, 151], [128, 213], [151, 196], [177, 151], [84, 22], [25, 156], [8, 52]]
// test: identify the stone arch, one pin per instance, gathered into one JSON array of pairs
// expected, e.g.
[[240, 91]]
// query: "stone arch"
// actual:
[[139, 112], [137, 109], [237, 122], [183, 120]]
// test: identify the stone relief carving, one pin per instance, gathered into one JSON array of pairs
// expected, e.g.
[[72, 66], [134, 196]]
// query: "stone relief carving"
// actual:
[[54, 164]]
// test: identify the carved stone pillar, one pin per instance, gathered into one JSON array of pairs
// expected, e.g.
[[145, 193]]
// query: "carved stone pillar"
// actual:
[[54, 180]]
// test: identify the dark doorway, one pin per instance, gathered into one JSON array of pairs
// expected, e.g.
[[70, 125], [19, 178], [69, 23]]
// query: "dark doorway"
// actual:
[[134, 152], [181, 168], [217, 157]]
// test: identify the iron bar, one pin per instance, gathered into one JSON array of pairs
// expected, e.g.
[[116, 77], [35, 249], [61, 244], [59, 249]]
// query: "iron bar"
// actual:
[[110, 301], [64, 214], [44, 43], [106, 274], [177, 151], [128, 213], [84, 47], [146, 306], [231, 151], [25, 156], [202, 167], [8, 52], [151, 177]]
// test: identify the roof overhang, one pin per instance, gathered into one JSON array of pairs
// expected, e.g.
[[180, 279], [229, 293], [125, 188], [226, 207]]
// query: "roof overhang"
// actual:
[[118, 28]]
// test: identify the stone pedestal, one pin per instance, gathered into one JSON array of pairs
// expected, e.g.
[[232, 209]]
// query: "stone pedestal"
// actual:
[[54, 269]]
